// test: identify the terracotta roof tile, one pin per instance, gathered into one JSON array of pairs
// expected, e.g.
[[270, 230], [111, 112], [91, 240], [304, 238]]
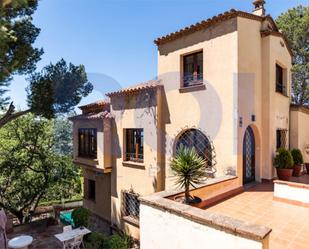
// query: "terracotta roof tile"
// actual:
[[136, 88], [92, 116], [101, 103], [210, 21]]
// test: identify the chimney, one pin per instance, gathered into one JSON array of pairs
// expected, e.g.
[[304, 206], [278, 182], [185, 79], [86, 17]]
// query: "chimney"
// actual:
[[259, 9]]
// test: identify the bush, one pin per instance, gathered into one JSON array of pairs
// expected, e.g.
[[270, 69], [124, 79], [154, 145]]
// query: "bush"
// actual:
[[95, 241], [283, 159], [297, 156], [81, 217], [99, 241], [118, 241]]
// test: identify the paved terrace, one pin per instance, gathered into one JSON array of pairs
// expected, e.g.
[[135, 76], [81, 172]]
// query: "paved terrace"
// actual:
[[289, 223], [43, 237]]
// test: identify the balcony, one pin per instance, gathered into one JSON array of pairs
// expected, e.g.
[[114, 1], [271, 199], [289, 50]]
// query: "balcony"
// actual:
[[192, 82]]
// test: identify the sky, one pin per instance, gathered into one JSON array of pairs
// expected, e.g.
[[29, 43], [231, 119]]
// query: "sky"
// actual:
[[114, 38]]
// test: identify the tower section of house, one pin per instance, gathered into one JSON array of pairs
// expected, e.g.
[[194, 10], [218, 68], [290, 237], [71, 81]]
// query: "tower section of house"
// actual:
[[197, 66], [136, 158], [264, 90], [92, 143]]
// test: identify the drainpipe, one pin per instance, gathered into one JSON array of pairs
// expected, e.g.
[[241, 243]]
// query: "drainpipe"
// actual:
[[160, 184]]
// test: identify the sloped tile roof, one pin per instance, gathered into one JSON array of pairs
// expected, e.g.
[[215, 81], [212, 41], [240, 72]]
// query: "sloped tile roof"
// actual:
[[136, 88], [101, 103], [92, 116], [211, 21]]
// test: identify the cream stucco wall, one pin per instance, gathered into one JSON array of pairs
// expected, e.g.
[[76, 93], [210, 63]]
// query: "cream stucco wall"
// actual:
[[300, 132], [211, 110], [182, 233], [276, 106], [101, 206], [249, 87], [257, 58], [134, 111]]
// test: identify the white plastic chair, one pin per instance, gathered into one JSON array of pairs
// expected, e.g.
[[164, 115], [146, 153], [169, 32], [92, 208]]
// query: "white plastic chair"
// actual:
[[67, 228], [76, 243]]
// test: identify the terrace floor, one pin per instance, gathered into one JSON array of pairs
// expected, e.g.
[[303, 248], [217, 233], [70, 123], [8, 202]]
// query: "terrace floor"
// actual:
[[289, 223], [43, 237]]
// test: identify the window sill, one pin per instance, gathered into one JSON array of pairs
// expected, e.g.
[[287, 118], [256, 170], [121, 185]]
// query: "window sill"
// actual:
[[133, 164], [186, 89], [131, 220], [283, 94], [88, 158], [90, 200]]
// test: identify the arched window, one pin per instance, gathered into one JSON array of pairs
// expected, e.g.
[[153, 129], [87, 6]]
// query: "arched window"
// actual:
[[194, 138]]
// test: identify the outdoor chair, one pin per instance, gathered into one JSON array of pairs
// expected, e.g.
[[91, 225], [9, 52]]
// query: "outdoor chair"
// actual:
[[76, 243], [67, 228]]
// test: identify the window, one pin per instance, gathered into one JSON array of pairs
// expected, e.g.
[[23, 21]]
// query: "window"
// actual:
[[281, 137], [193, 69], [134, 145], [131, 204], [279, 80], [87, 142], [91, 190], [194, 138]]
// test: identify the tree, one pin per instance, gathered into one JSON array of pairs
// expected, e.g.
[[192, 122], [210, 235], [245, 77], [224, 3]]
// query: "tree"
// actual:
[[189, 169], [295, 25], [56, 89], [17, 35], [30, 169]]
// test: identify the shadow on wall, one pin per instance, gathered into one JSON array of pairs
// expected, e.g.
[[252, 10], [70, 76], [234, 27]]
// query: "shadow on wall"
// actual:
[[116, 154], [207, 34]]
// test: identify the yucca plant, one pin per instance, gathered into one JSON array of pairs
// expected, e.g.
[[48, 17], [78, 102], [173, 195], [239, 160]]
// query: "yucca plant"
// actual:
[[189, 169]]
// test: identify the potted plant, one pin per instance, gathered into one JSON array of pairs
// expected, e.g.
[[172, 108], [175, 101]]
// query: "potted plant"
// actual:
[[298, 161], [189, 169], [307, 167], [283, 162]]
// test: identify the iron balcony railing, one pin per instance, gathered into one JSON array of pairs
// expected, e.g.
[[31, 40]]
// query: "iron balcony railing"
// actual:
[[135, 157], [192, 79]]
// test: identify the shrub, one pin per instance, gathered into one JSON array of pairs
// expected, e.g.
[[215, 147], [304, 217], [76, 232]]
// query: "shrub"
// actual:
[[189, 169], [81, 217], [95, 241], [283, 159], [297, 156], [100, 241], [119, 241]]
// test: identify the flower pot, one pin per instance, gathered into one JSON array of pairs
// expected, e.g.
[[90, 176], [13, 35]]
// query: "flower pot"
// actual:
[[307, 167], [284, 174], [297, 170]]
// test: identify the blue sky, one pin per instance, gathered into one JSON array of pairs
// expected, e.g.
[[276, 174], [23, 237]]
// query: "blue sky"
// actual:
[[114, 38]]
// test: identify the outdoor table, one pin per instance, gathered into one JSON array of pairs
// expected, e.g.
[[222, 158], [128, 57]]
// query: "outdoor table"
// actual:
[[20, 242], [63, 237]]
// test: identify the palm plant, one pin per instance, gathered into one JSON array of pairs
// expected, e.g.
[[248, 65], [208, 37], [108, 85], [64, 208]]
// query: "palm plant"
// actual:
[[189, 169]]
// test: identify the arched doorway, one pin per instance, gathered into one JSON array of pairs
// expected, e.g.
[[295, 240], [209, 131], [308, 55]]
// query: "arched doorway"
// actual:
[[248, 156]]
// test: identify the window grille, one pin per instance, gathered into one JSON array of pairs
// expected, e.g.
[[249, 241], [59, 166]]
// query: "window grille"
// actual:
[[194, 138], [281, 138], [131, 204]]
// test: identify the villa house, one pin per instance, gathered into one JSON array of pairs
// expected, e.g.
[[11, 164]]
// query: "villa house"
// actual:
[[223, 87]]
